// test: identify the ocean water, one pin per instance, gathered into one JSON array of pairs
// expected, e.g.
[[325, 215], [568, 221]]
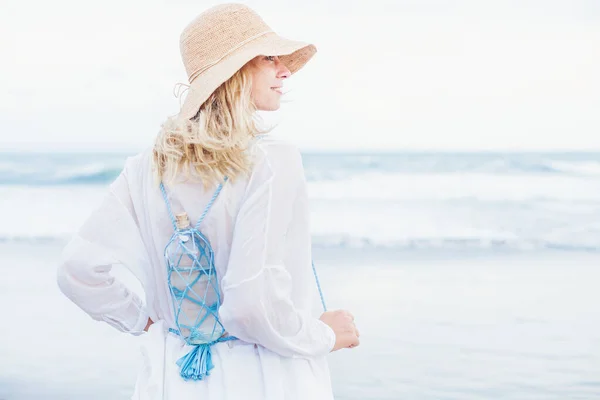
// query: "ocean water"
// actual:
[[471, 275], [404, 201]]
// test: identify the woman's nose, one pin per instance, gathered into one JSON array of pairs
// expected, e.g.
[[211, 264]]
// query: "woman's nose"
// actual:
[[282, 71]]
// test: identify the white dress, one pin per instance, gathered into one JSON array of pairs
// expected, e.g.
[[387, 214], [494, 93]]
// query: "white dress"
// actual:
[[259, 230]]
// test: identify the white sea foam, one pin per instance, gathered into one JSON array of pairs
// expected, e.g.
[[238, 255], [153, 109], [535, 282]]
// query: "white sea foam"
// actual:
[[482, 213], [581, 168], [486, 187]]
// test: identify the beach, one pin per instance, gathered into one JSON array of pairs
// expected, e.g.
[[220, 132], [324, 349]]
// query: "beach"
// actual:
[[511, 326]]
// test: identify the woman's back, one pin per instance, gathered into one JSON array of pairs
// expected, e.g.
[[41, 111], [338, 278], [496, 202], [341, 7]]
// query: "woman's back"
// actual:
[[277, 167]]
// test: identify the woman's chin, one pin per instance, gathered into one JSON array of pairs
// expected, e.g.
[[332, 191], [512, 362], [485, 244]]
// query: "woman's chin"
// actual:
[[270, 107]]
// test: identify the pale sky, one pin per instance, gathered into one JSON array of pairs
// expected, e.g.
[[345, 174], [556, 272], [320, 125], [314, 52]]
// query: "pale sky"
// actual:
[[406, 75]]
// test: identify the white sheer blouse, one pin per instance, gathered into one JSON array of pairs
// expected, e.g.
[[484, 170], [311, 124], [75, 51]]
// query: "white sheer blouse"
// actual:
[[260, 233]]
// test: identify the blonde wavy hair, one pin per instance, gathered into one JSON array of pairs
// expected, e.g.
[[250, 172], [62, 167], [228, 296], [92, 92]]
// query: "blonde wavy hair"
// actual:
[[213, 144]]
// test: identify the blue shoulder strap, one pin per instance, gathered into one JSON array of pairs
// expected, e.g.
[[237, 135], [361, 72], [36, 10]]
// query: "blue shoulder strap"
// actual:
[[319, 286], [206, 209]]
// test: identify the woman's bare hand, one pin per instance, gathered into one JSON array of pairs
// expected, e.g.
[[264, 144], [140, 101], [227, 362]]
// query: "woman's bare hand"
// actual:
[[342, 323]]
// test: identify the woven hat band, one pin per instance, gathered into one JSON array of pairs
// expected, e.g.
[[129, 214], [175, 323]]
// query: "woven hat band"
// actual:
[[200, 70]]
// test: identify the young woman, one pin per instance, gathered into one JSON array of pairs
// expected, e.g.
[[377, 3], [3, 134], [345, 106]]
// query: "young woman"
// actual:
[[248, 189]]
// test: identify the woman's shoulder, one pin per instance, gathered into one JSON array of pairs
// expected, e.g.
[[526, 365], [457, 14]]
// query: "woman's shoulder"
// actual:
[[137, 165], [274, 156], [138, 160]]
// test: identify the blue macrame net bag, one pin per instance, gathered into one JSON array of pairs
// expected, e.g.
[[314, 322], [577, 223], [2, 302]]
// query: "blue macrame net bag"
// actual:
[[195, 293]]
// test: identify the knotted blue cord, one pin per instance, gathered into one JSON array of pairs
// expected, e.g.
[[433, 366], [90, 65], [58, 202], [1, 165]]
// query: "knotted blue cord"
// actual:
[[210, 203], [190, 260], [164, 193], [319, 287]]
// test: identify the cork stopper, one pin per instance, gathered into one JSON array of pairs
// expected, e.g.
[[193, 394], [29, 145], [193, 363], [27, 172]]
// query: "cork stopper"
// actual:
[[182, 220]]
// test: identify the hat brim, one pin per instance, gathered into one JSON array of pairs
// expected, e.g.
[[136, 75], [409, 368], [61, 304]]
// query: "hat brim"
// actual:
[[293, 54]]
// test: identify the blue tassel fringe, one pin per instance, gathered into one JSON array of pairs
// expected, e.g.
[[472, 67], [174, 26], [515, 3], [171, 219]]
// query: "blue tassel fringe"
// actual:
[[197, 363]]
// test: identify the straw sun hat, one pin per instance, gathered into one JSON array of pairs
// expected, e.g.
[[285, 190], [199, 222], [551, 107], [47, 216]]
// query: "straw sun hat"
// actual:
[[217, 43]]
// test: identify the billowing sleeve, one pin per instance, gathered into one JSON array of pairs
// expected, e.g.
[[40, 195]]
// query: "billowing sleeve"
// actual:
[[257, 305], [109, 236]]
